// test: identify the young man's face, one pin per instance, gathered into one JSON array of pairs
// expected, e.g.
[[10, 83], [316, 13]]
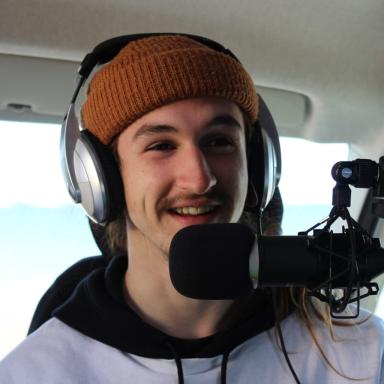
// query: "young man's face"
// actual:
[[183, 164]]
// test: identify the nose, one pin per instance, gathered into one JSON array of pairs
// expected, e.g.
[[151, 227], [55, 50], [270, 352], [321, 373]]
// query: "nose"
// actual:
[[195, 175]]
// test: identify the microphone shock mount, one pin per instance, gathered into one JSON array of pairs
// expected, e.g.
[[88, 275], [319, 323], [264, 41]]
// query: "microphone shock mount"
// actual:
[[347, 280]]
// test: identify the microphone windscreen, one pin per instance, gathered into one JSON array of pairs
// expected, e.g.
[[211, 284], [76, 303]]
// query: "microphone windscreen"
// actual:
[[211, 261]]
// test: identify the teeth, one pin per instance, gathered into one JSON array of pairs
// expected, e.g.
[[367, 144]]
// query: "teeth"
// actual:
[[194, 211]]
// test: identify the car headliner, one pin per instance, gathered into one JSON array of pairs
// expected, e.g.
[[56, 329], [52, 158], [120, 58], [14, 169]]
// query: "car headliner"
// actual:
[[319, 64]]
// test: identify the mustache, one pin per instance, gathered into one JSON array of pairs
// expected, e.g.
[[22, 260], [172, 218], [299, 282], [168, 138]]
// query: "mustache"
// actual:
[[216, 195]]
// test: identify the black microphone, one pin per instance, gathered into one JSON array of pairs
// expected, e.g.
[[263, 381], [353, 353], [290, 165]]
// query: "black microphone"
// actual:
[[227, 261]]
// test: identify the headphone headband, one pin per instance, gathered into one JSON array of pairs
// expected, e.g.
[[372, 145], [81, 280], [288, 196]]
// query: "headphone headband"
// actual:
[[108, 49]]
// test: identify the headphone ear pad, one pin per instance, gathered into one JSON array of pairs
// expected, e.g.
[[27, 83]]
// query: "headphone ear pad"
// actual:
[[264, 160], [99, 180], [255, 161]]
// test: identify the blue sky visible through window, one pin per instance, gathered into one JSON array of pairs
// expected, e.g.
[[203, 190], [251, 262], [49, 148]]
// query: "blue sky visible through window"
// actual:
[[42, 232]]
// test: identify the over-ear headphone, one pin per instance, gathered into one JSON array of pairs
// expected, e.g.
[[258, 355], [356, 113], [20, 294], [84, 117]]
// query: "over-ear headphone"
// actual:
[[91, 173]]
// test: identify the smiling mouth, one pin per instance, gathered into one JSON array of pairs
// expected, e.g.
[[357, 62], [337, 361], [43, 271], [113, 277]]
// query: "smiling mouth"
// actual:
[[194, 211]]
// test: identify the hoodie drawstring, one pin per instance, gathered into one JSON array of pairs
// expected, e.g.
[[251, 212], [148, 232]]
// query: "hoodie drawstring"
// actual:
[[178, 362], [179, 365], [224, 363]]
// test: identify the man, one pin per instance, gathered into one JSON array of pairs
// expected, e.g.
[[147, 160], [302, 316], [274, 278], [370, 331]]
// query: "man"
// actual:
[[177, 116]]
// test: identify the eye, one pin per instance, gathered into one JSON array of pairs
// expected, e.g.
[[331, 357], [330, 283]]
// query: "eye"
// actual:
[[161, 146], [220, 144]]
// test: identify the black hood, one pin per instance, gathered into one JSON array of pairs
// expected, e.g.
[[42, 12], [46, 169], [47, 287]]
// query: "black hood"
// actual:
[[98, 310]]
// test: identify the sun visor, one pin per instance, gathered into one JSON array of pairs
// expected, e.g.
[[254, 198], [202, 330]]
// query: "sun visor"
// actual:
[[35, 89], [290, 110], [39, 90]]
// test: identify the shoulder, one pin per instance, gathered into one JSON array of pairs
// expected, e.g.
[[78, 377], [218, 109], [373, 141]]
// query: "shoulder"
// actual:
[[354, 347], [319, 353], [46, 355], [57, 353]]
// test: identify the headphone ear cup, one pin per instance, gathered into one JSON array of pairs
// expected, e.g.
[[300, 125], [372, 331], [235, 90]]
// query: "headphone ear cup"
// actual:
[[264, 160], [98, 178]]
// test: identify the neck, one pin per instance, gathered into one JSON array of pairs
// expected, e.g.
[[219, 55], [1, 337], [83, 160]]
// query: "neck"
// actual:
[[149, 291]]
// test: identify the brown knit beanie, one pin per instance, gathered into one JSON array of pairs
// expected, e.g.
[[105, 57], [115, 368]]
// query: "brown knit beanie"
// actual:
[[155, 71]]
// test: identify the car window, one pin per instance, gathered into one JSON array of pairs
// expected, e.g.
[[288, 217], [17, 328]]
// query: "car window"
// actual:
[[43, 232], [306, 182]]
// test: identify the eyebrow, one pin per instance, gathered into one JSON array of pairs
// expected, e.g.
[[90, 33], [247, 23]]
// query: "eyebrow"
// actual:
[[149, 129], [227, 120]]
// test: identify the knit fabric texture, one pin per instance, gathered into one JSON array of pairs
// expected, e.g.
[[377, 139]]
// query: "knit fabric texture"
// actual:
[[154, 71]]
